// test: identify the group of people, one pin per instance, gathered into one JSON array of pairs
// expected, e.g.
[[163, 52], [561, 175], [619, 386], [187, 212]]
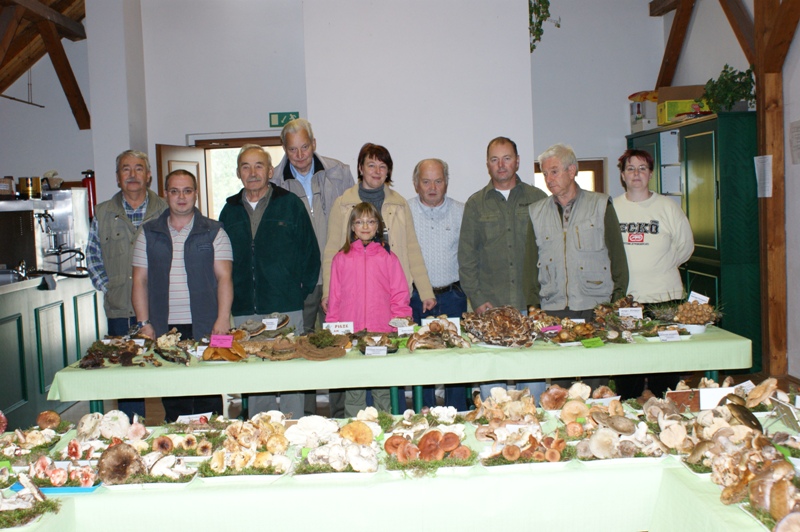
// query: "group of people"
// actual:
[[306, 240]]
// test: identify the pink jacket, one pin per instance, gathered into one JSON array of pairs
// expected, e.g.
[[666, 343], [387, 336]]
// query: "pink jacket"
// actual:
[[368, 287]]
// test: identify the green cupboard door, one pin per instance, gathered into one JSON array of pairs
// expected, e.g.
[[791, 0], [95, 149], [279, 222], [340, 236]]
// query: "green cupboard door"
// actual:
[[700, 186], [650, 144]]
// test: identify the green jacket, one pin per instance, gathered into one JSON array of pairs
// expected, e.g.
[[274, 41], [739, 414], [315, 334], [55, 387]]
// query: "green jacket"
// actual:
[[491, 249], [275, 270]]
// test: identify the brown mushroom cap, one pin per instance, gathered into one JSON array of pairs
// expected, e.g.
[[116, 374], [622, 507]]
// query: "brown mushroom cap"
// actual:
[[553, 398], [462, 452], [511, 453], [49, 419], [572, 410], [357, 432], [450, 441], [393, 443], [118, 463], [744, 416], [762, 392], [621, 424]]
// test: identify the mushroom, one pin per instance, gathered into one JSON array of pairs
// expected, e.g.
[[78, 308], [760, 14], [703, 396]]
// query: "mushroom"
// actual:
[[603, 392], [579, 390], [217, 462], [761, 393], [118, 463], [89, 427], [553, 398], [49, 419], [574, 410], [603, 444], [673, 436], [789, 523], [357, 432], [700, 450], [621, 424], [744, 416], [115, 424], [583, 450]]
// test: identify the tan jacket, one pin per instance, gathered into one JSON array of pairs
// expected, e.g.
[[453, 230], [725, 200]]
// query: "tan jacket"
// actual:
[[402, 238]]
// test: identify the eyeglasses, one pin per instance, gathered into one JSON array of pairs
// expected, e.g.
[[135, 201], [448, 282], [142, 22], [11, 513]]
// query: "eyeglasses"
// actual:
[[633, 170], [370, 223]]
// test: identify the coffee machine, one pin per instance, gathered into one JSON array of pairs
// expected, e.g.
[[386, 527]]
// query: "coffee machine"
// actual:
[[50, 234]]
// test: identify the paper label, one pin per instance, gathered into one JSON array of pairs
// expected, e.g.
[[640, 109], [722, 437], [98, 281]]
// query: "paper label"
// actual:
[[193, 417], [221, 340], [405, 331], [339, 327], [456, 321], [633, 312], [375, 351], [271, 323], [669, 336], [710, 397], [592, 342], [200, 350], [139, 341], [700, 298], [552, 328], [578, 320]]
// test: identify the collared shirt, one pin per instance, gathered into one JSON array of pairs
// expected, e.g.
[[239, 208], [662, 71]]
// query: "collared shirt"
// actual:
[[438, 229], [179, 297], [305, 180], [94, 255]]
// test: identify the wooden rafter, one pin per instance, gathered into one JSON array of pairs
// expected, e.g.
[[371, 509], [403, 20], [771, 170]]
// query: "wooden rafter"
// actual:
[[742, 26], [65, 75], [677, 36], [783, 26], [10, 17], [66, 27]]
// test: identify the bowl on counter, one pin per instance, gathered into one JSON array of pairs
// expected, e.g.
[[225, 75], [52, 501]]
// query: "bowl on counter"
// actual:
[[693, 329]]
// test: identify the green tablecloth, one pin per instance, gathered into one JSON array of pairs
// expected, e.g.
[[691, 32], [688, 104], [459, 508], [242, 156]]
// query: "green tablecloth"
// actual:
[[714, 350], [619, 495]]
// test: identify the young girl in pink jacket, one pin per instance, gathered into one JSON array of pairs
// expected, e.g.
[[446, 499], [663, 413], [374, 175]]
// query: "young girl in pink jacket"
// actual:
[[369, 288]]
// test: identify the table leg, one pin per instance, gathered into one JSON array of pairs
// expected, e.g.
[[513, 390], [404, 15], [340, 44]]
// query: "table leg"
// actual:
[[96, 406], [417, 395], [713, 375], [245, 411], [394, 403]]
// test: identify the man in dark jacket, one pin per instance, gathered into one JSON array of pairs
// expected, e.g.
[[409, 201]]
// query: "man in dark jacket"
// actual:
[[276, 257]]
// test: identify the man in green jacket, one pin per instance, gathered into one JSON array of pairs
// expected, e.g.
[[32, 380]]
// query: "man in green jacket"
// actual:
[[276, 257]]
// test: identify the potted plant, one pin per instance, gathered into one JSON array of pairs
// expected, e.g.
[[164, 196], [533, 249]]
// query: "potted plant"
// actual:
[[731, 91]]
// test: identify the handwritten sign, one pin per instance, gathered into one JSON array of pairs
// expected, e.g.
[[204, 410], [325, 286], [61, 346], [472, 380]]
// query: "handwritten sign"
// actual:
[[552, 328], [633, 312], [375, 351], [405, 331], [221, 340], [669, 336], [700, 298], [339, 327], [271, 323]]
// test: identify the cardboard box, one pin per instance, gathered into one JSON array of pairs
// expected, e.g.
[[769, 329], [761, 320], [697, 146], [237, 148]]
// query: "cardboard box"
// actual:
[[644, 124], [673, 101]]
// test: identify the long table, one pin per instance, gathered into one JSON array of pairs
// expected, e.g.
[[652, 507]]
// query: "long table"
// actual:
[[717, 349], [621, 495]]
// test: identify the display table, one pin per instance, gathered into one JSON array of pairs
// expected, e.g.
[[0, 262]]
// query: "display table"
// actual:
[[620, 495], [714, 350]]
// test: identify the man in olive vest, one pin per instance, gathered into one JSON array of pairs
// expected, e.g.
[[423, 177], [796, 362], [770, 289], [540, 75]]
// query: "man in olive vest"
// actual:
[[110, 249]]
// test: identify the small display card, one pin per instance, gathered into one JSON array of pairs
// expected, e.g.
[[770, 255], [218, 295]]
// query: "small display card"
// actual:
[[669, 336], [339, 327], [710, 397], [139, 341], [221, 340], [200, 350], [592, 342], [375, 351], [457, 322], [271, 323], [193, 417], [700, 298], [578, 320], [633, 312], [405, 331]]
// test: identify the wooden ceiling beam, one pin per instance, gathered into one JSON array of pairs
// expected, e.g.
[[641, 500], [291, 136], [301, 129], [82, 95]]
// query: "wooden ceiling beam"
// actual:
[[52, 42], [780, 38], [742, 26], [659, 8], [677, 36], [67, 27], [10, 17]]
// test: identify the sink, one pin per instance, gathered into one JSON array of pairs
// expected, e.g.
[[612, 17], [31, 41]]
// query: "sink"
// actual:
[[9, 276]]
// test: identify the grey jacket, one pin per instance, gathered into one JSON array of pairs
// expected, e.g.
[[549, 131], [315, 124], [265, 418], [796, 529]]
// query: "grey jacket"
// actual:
[[330, 180]]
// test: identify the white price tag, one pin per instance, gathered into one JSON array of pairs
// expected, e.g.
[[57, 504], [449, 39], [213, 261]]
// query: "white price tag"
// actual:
[[633, 312], [200, 350], [375, 351], [700, 298], [271, 323], [669, 336], [457, 321], [578, 320], [139, 341], [339, 327], [405, 331]]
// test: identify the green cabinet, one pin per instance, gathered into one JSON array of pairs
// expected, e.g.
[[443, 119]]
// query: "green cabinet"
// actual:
[[707, 165], [42, 331]]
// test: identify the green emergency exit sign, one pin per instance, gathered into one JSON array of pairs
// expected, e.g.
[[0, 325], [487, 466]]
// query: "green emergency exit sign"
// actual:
[[280, 119]]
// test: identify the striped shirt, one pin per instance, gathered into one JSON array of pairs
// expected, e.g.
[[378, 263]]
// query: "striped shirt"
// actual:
[[438, 230], [179, 297]]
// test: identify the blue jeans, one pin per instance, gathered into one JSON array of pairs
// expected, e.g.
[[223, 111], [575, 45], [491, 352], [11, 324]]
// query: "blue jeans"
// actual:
[[452, 303], [119, 327]]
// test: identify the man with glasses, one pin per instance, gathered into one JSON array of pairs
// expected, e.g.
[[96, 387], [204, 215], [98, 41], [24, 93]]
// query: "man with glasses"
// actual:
[[182, 279]]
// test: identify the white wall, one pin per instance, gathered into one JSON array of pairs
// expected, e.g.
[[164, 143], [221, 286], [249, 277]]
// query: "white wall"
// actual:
[[34, 140], [425, 79], [791, 102], [583, 72]]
